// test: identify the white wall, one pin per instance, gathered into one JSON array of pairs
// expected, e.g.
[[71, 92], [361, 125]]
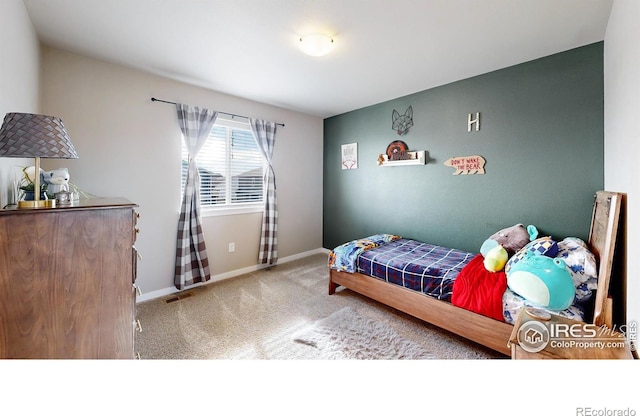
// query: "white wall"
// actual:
[[19, 79], [622, 135], [129, 146]]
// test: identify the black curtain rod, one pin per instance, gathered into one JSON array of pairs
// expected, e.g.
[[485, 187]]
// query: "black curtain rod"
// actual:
[[222, 112]]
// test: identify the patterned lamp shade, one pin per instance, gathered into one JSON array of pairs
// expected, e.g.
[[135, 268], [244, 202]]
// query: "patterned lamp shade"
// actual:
[[35, 135]]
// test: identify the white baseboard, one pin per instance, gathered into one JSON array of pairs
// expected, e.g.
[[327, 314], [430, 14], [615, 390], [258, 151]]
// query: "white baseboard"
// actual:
[[234, 273]]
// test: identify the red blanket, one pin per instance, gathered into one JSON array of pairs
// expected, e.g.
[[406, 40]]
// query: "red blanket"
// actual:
[[480, 290]]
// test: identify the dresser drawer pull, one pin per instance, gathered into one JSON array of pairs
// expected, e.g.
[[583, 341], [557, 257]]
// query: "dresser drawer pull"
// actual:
[[137, 289], [138, 325]]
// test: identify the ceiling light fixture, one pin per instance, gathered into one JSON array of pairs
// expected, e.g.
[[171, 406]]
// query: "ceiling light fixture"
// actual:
[[316, 44]]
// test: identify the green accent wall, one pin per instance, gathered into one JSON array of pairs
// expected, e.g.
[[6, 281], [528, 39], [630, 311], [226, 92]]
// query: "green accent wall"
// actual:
[[541, 133]]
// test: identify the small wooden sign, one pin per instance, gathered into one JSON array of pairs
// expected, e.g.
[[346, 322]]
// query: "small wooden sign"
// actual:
[[466, 165]]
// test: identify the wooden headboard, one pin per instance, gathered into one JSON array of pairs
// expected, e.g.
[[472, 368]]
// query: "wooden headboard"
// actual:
[[602, 240]]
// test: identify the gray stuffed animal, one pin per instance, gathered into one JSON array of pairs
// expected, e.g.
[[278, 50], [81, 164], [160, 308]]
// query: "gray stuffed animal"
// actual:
[[57, 180]]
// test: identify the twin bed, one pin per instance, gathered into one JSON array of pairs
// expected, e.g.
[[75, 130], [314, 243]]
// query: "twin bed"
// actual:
[[451, 289]]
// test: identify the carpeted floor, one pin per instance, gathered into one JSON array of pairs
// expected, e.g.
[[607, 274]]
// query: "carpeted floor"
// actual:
[[347, 335], [257, 316]]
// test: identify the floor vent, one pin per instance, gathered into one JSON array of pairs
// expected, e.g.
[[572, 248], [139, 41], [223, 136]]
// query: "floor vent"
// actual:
[[179, 297]]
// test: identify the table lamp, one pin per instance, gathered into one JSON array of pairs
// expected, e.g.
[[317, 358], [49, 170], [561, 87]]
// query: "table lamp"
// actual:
[[35, 135]]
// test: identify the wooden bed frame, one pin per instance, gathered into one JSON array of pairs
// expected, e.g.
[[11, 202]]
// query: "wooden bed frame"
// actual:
[[487, 331]]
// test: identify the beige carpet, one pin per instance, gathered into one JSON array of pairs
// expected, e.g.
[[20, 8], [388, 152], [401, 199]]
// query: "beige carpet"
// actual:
[[346, 335], [258, 315]]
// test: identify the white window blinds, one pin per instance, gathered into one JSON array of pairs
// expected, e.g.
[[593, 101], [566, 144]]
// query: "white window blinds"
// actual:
[[230, 165]]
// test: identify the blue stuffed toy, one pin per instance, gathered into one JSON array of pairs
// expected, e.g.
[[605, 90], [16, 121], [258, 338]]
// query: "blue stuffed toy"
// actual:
[[542, 280]]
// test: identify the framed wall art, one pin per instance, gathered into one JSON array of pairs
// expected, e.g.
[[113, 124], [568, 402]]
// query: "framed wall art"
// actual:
[[350, 156]]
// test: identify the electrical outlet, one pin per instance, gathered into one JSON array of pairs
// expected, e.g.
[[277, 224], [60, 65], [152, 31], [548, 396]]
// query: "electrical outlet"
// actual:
[[232, 247]]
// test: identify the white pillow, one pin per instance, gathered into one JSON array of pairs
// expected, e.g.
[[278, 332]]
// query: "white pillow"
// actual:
[[582, 265]]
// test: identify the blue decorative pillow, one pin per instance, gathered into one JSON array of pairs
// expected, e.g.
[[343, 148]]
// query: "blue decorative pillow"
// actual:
[[543, 246]]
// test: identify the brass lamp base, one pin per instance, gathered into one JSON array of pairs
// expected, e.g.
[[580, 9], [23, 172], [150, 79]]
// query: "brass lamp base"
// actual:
[[43, 203]]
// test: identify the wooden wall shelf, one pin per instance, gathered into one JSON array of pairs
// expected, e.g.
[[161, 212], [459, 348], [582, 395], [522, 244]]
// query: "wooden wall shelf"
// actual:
[[417, 158]]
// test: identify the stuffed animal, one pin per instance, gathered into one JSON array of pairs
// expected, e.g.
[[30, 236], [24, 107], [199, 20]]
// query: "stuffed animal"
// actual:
[[543, 246], [57, 180], [511, 239], [542, 280], [495, 259]]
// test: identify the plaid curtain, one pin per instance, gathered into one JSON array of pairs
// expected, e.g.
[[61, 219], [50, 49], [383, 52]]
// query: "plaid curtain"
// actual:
[[265, 134], [192, 264]]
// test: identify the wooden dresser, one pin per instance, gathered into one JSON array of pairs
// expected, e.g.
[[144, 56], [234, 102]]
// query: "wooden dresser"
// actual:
[[67, 280]]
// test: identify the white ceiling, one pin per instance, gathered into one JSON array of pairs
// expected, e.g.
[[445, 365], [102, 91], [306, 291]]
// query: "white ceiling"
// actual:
[[384, 49]]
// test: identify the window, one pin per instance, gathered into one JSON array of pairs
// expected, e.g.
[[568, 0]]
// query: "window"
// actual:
[[231, 169]]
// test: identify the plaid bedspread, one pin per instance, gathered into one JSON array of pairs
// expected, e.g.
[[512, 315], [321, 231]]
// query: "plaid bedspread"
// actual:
[[415, 265]]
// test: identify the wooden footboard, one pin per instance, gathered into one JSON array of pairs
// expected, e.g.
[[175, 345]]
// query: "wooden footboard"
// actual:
[[478, 328]]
